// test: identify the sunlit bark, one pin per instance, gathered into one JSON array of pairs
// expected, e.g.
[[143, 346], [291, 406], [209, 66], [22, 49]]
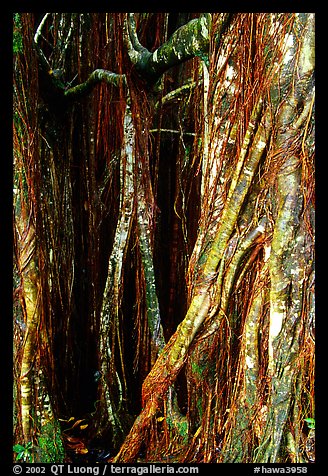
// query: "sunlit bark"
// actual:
[[31, 300]]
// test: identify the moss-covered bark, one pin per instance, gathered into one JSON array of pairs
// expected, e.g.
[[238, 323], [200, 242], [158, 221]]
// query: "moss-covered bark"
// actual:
[[287, 262], [111, 387], [146, 249], [188, 41], [96, 77], [238, 353]]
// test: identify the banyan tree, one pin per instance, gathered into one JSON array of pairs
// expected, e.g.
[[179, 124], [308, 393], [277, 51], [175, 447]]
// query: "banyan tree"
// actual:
[[164, 236]]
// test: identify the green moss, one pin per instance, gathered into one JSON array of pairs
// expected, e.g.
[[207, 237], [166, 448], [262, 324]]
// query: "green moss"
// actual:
[[17, 35], [180, 426], [50, 443], [196, 368]]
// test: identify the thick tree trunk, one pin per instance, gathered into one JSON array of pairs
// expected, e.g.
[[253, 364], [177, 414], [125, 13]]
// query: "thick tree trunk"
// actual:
[[219, 150]]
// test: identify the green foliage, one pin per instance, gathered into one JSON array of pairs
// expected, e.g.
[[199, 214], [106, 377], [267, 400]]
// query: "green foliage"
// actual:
[[17, 34], [24, 453], [50, 448], [50, 443], [310, 423]]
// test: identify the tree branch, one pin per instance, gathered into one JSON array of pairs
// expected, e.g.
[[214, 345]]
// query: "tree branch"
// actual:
[[172, 95], [188, 41], [43, 59], [97, 76], [135, 43]]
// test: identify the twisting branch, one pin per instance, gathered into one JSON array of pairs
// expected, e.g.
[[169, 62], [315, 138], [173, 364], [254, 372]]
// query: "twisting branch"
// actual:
[[188, 41], [177, 93], [97, 76], [135, 43], [135, 50], [43, 59]]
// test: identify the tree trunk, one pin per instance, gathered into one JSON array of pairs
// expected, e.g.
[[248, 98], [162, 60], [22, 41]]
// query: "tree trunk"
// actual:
[[171, 186]]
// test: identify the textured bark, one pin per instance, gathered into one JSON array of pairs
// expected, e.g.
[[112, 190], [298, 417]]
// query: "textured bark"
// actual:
[[173, 356], [111, 390], [196, 189], [96, 77], [287, 262], [30, 293], [188, 41]]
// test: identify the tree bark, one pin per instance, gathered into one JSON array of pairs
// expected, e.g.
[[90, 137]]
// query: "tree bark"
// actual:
[[186, 42], [230, 171]]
